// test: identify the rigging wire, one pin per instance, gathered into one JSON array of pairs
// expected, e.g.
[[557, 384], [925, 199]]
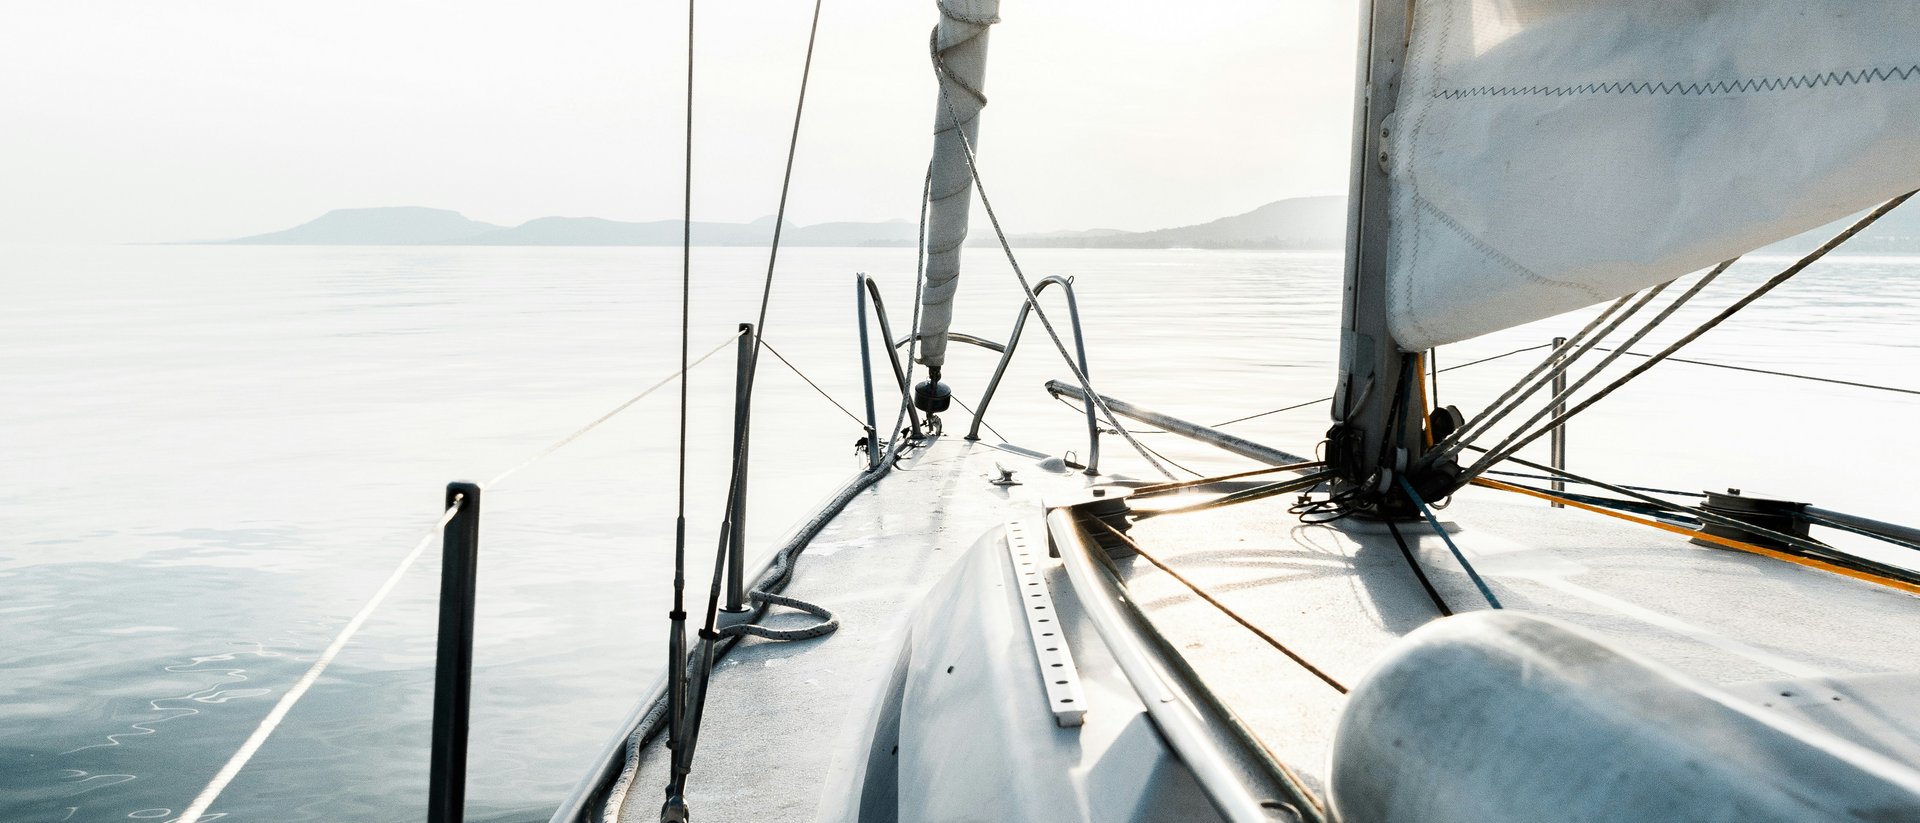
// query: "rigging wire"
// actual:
[[1436, 385], [611, 413], [1702, 329], [677, 618], [1874, 386], [973, 171], [816, 386], [1623, 485], [1553, 357], [1817, 553], [1560, 397], [1558, 364], [1899, 580], [989, 426], [709, 636]]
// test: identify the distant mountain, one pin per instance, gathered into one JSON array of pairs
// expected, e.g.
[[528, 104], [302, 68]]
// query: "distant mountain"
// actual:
[[392, 226], [1318, 223], [1296, 223], [595, 231], [1299, 223]]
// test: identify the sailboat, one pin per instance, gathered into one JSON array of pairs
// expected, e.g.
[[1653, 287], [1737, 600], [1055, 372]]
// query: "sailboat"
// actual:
[[997, 633]]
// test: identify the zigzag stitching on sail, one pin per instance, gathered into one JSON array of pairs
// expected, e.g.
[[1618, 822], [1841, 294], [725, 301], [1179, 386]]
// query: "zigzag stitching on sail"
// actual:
[[1830, 79]]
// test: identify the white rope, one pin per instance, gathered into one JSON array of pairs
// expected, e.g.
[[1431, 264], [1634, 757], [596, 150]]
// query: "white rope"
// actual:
[[272, 721], [280, 709]]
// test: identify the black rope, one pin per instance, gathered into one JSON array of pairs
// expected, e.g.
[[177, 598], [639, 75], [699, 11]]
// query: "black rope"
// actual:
[[1846, 527], [1465, 565], [1414, 564], [816, 386]]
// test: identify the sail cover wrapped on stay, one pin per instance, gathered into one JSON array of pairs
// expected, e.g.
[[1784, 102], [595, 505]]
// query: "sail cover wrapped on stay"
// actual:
[[1551, 154], [960, 52]]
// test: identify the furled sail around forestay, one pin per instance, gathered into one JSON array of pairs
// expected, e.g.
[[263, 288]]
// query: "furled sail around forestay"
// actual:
[[960, 49], [1551, 154]]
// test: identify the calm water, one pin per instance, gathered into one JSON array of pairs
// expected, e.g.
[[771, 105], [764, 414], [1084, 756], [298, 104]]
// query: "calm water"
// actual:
[[211, 457]]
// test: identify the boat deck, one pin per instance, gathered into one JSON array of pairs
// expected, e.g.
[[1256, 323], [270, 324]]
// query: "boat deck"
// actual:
[[784, 721], [1830, 650]]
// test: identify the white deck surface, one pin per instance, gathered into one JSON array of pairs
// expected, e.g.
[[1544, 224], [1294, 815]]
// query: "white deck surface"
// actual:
[[1339, 595], [783, 719]]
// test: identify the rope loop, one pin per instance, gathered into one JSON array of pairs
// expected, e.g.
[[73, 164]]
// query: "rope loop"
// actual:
[[826, 626]]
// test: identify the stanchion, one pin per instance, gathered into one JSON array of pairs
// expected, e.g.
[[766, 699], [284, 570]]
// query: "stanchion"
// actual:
[[453, 657]]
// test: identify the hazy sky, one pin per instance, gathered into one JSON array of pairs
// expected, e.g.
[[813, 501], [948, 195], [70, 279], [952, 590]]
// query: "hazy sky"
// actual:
[[138, 121]]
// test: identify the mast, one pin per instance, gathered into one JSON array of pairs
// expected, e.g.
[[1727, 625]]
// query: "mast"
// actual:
[[960, 58], [1370, 425]]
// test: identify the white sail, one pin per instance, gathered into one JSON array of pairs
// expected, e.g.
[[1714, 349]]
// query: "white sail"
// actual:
[[960, 46], [1551, 154]]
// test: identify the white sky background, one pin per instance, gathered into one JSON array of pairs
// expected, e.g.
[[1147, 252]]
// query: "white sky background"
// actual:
[[147, 121]]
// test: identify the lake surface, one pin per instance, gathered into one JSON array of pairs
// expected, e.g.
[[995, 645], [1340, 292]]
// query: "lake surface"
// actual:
[[211, 457]]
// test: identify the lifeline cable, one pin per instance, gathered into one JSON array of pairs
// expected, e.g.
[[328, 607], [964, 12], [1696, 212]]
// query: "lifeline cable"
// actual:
[[611, 413], [312, 675], [816, 386], [293, 695]]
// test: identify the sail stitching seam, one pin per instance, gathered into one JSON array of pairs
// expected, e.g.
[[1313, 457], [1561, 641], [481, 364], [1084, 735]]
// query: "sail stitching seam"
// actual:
[[1400, 299], [1494, 254], [1703, 88]]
